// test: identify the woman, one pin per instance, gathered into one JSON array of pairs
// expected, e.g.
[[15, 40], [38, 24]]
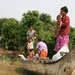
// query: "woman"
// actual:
[[63, 36], [31, 33]]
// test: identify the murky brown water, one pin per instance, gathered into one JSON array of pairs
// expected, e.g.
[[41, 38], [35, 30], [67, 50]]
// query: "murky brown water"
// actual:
[[7, 69]]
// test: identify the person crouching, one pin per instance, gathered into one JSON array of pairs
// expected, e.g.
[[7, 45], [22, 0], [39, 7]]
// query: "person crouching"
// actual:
[[42, 49]]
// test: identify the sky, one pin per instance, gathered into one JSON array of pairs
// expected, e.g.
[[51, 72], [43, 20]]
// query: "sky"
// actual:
[[15, 8]]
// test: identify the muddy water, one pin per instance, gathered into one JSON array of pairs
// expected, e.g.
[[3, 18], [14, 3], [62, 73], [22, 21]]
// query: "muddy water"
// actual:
[[7, 69]]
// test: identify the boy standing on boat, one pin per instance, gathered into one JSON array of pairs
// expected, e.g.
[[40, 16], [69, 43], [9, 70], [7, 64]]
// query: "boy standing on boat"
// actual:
[[42, 49]]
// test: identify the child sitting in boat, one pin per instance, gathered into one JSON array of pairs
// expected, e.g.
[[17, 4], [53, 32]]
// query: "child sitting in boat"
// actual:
[[30, 48], [41, 48], [58, 25]]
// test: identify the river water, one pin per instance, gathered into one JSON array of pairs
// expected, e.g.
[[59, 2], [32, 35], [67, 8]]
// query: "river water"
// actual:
[[15, 69], [7, 69]]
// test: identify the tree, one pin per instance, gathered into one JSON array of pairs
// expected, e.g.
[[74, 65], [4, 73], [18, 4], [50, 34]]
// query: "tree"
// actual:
[[14, 32], [30, 18], [43, 25], [9, 32], [2, 20], [72, 38]]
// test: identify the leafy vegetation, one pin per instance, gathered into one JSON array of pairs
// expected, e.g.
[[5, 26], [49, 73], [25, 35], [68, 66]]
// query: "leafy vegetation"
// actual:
[[13, 32]]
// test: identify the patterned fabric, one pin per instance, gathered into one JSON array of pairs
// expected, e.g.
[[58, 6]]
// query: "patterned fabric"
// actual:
[[61, 41]]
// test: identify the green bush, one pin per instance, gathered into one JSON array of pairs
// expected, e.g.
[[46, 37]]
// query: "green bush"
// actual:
[[14, 33]]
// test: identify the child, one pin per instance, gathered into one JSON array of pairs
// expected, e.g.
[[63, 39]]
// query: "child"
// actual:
[[58, 26], [30, 48]]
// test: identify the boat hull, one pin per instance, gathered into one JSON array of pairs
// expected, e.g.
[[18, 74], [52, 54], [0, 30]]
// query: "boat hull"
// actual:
[[65, 66]]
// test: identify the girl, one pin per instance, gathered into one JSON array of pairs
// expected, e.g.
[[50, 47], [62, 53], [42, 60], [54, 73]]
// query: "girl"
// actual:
[[30, 48]]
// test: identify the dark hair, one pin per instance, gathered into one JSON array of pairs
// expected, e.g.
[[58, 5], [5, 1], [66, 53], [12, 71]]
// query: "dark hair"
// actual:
[[30, 38], [39, 39], [65, 9], [30, 26], [58, 16]]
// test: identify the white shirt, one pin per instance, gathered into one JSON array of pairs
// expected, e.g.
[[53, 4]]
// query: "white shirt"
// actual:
[[30, 45]]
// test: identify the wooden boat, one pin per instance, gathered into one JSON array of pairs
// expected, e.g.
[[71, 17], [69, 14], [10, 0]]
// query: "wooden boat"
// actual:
[[64, 66]]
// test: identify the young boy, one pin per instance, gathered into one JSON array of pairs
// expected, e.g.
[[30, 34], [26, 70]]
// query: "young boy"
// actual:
[[58, 26], [30, 48]]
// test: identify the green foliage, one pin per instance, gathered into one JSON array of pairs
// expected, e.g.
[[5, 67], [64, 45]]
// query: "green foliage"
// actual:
[[9, 57], [14, 33], [72, 38], [1, 22], [43, 25], [45, 18], [9, 32], [30, 18]]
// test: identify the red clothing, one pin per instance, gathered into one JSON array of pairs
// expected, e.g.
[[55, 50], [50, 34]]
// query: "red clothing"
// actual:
[[65, 28]]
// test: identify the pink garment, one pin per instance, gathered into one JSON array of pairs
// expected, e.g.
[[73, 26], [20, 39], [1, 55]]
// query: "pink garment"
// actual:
[[41, 45], [61, 41]]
